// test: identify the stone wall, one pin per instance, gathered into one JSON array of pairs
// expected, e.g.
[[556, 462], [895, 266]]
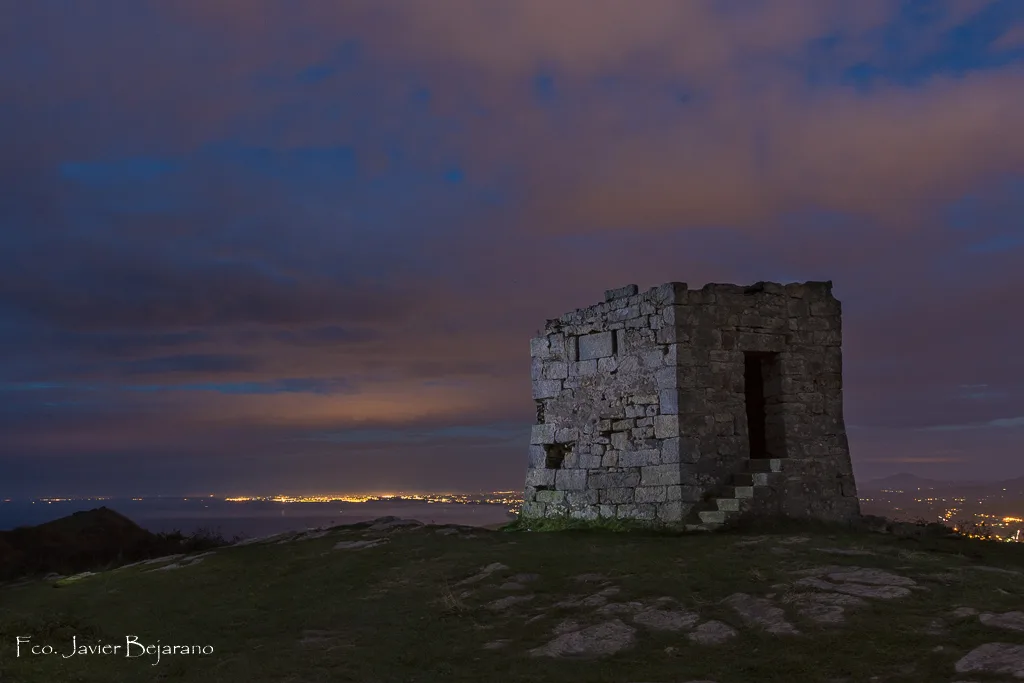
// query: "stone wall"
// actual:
[[642, 403]]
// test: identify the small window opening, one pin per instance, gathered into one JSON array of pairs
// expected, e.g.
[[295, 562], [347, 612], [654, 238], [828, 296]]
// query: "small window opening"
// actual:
[[555, 455]]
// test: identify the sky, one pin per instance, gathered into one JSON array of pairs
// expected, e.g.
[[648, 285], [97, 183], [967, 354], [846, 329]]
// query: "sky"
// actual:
[[250, 246]]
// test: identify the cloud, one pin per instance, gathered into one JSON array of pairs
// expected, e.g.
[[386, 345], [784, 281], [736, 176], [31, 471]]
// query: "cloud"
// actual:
[[1001, 423], [192, 363], [1012, 39], [346, 219]]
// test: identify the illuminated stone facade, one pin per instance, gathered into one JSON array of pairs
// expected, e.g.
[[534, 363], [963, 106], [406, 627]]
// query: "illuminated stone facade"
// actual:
[[692, 406]]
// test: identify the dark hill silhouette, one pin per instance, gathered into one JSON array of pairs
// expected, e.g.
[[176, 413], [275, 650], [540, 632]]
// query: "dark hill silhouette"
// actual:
[[86, 541]]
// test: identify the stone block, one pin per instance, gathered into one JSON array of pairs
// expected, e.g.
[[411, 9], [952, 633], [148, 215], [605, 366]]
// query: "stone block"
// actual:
[[683, 449], [556, 510], [613, 480], [608, 365], [594, 346], [589, 513], [621, 315], [586, 368], [536, 369], [670, 334], [551, 497], [533, 509], [610, 459], [538, 456], [540, 348], [651, 494], [589, 461], [571, 349], [665, 377], [642, 511], [620, 440], [665, 426], [556, 346], [628, 370], [687, 493], [617, 496], [827, 338], [670, 512], [640, 458], [567, 435], [762, 342], [540, 477], [668, 401], [674, 315], [570, 480], [660, 475], [670, 293], [581, 498], [542, 434], [621, 292], [547, 388], [829, 307], [555, 370]]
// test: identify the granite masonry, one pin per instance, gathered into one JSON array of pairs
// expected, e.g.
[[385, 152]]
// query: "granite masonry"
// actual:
[[692, 407]]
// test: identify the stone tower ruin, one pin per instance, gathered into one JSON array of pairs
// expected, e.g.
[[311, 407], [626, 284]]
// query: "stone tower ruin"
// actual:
[[692, 407]]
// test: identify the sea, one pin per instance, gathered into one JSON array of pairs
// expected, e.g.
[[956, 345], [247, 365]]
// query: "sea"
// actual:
[[252, 519]]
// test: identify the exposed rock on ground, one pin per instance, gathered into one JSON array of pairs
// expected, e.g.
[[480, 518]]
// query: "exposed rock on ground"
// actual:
[[483, 573], [594, 641], [761, 613], [1009, 620], [712, 633], [359, 545], [666, 619], [994, 658]]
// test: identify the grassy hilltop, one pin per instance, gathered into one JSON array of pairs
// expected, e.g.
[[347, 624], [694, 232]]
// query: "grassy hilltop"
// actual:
[[395, 602]]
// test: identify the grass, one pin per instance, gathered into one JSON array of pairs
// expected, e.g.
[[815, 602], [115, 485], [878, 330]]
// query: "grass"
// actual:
[[302, 612]]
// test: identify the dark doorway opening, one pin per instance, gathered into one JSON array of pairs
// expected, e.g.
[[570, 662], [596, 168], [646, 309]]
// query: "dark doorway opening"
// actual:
[[754, 375]]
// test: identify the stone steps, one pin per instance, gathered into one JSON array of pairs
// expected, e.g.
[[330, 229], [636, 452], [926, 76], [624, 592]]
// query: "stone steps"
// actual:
[[716, 511], [764, 465], [712, 516], [754, 478], [733, 491]]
